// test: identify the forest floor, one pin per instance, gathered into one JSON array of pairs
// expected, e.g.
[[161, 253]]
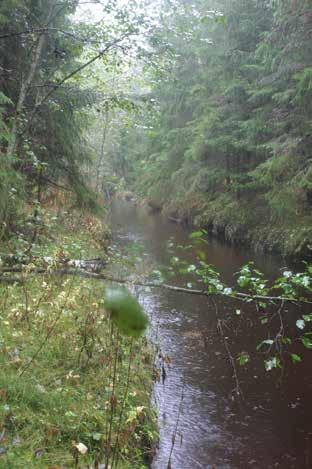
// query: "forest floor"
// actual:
[[73, 392]]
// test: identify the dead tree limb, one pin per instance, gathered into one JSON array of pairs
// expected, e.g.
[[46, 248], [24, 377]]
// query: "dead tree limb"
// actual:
[[82, 271]]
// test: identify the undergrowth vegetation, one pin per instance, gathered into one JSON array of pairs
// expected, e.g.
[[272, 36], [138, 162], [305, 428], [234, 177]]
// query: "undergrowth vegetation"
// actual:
[[74, 392]]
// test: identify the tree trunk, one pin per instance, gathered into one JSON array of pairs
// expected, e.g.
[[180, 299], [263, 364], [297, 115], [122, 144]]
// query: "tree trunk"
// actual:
[[25, 85], [101, 156]]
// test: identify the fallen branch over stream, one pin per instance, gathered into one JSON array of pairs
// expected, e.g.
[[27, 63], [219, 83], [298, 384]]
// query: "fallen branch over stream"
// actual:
[[83, 272]]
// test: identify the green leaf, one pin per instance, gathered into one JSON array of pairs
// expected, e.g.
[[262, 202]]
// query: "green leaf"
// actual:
[[197, 234], [265, 342], [126, 312], [201, 255], [174, 260], [307, 317], [286, 340], [272, 363], [243, 358], [295, 358], [307, 342], [4, 99], [243, 281]]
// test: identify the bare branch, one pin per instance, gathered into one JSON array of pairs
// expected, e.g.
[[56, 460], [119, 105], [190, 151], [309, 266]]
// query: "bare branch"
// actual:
[[46, 30], [70, 75], [237, 391], [189, 291]]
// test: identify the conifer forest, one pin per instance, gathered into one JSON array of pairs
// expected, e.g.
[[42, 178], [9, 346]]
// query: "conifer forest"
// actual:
[[155, 234]]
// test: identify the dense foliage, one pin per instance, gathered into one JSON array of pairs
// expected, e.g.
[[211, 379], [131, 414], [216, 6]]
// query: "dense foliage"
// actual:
[[48, 98], [228, 145]]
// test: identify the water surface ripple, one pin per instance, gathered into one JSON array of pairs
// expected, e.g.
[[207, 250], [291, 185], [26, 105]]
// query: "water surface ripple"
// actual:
[[272, 428]]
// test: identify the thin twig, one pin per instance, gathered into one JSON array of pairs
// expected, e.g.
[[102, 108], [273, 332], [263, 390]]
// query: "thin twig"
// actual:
[[237, 389], [115, 453], [176, 427], [70, 75], [111, 345], [113, 402]]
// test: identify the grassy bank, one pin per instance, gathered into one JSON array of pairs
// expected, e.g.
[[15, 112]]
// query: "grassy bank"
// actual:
[[72, 389], [245, 222]]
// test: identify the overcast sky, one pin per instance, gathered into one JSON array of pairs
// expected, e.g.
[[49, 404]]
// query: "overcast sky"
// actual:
[[89, 11], [93, 12]]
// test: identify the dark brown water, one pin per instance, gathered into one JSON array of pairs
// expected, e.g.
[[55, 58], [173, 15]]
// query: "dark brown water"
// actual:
[[272, 426]]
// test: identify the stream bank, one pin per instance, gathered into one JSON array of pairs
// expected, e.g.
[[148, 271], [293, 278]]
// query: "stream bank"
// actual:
[[240, 223]]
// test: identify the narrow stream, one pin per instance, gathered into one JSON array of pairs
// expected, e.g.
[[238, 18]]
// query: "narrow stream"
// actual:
[[272, 427]]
